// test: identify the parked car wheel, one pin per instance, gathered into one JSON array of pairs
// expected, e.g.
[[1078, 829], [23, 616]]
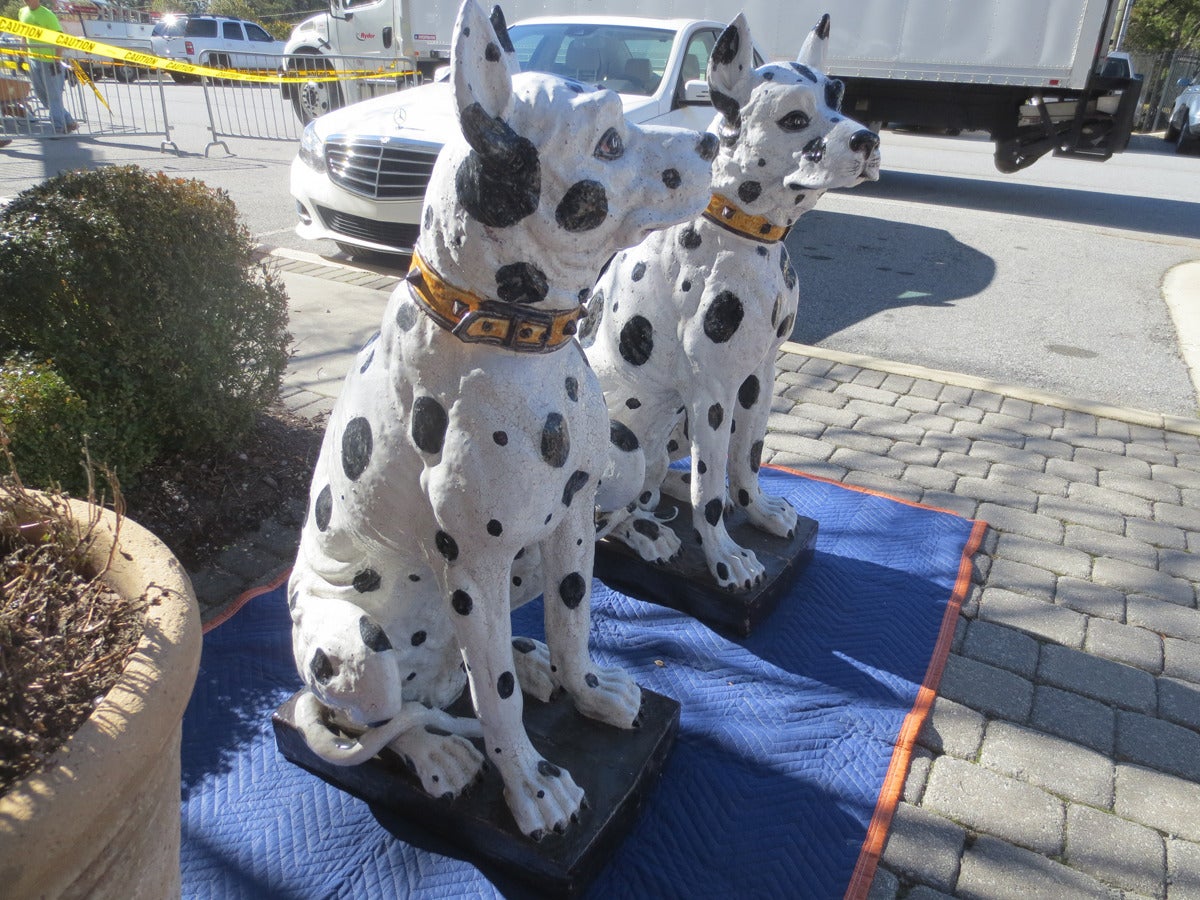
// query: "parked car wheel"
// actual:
[[313, 98], [1185, 142], [182, 78], [125, 74]]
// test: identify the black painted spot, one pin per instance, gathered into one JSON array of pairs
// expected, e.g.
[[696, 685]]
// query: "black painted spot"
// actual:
[[427, 219], [523, 645], [622, 437], [583, 207], [775, 312], [323, 508], [500, 181], [591, 680], [723, 316], [321, 668], [590, 323], [756, 456], [373, 636], [725, 51], [366, 581], [785, 327], [491, 52], [572, 385], [446, 546], [500, 437], [672, 446], [633, 403], [712, 511], [505, 684], [687, 477], [494, 528], [406, 315], [572, 589], [685, 285], [638, 272], [556, 440], [367, 364], [805, 71], [716, 415], [356, 447], [573, 485], [429, 423], [722, 571], [501, 28], [744, 497], [414, 577], [418, 638], [731, 110], [671, 178], [749, 191], [645, 497], [814, 150], [548, 769], [689, 238], [762, 251], [647, 527], [462, 603], [521, 282], [748, 392], [637, 341], [701, 466]]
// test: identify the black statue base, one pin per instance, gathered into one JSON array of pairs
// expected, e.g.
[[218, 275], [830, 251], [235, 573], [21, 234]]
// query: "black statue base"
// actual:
[[617, 770], [684, 583]]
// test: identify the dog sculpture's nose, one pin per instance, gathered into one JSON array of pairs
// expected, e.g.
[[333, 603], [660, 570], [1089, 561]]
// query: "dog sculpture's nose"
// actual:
[[707, 148], [864, 142]]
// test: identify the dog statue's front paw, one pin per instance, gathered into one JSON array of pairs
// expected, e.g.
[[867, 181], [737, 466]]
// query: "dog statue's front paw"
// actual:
[[774, 515], [542, 797], [647, 536], [531, 659], [734, 568], [445, 763], [608, 694]]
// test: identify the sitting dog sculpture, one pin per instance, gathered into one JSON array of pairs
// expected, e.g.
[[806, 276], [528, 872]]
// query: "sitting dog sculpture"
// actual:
[[695, 315], [459, 468]]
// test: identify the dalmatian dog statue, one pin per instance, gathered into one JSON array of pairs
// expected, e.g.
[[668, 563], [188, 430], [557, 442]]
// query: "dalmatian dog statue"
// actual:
[[683, 330], [459, 469]]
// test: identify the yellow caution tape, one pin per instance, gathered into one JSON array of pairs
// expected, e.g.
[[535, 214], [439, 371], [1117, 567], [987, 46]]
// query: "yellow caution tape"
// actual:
[[83, 77], [149, 61]]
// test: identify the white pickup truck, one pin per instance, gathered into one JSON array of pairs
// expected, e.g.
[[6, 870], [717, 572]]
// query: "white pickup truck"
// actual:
[[360, 176]]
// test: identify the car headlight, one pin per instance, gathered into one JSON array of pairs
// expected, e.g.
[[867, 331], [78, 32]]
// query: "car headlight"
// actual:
[[312, 149]]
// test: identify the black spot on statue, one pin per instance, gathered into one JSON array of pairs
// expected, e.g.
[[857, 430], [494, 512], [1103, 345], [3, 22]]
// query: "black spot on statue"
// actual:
[[591, 680], [491, 52], [638, 272], [722, 571], [429, 423], [505, 684], [716, 415], [373, 636], [762, 251], [418, 638], [494, 528], [356, 447], [556, 440], [548, 769], [748, 392], [366, 581], [622, 437], [521, 282], [723, 316], [805, 71], [572, 589], [726, 49], [785, 327], [406, 316], [462, 603], [583, 207], [685, 286], [756, 456], [671, 178], [689, 238], [572, 386], [712, 511], [367, 364], [414, 577], [731, 110], [646, 527], [744, 497], [749, 191], [701, 467], [573, 485], [500, 438], [323, 508], [500, 182], [321, 668], [501, 28], [523, 645], [637, 341], [633, 403], [446, 546]]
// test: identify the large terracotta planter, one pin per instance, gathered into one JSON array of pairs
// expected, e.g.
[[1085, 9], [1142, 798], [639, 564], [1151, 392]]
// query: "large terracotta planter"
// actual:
[[104, 821]]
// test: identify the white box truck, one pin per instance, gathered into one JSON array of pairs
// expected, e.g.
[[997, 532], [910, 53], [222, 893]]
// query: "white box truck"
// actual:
[[1028, 72]]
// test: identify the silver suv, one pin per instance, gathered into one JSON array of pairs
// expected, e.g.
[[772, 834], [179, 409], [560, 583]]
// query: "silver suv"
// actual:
[[216, 41], [1184, 125]]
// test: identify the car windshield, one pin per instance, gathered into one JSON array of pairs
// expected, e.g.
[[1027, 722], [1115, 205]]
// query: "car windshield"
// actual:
[[625, 58], [174, 28]]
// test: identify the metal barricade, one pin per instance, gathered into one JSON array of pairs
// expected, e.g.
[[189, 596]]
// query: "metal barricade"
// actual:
[[275, 108], [133, 103]]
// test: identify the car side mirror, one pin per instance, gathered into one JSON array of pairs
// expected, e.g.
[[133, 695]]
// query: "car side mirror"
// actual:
[[696, 91], [1184, 82]]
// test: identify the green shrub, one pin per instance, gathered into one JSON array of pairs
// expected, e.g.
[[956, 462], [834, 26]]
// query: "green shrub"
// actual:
[[45, 422], [144, 291]]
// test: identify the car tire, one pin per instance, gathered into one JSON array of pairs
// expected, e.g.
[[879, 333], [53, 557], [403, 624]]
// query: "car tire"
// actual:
[[182, 78], [313, 98], [125, 73], [1185, 142], [1172, 132]]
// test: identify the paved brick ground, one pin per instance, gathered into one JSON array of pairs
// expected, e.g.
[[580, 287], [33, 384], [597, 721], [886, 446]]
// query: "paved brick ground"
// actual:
[[1062, 758]]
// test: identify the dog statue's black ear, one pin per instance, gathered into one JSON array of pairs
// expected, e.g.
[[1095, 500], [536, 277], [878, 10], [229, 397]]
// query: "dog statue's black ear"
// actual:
[[731, 71], [482, 64], [816, 45]]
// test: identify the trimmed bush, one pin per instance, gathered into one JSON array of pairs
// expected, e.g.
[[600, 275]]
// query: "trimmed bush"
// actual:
[[145, 292], [45, 422]]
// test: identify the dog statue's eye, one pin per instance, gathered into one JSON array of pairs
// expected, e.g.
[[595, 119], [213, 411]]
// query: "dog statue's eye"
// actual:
[[834, 91], [610, 146], [794, 121]]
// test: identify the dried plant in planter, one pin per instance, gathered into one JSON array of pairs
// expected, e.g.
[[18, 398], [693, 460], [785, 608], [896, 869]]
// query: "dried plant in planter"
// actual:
[[65, 635]]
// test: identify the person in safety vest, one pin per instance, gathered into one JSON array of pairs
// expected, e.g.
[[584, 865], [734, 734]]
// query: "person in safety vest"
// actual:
[[46, 68]]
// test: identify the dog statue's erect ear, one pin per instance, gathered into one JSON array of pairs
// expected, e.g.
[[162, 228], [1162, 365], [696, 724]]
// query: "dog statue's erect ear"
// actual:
[[816, 45], [731, 71], [482, 65]]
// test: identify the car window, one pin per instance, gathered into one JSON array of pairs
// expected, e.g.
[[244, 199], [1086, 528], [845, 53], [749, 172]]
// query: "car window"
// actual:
[[177, 28], [201, 28], [254, 33], [232, 31], [626, 58]]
